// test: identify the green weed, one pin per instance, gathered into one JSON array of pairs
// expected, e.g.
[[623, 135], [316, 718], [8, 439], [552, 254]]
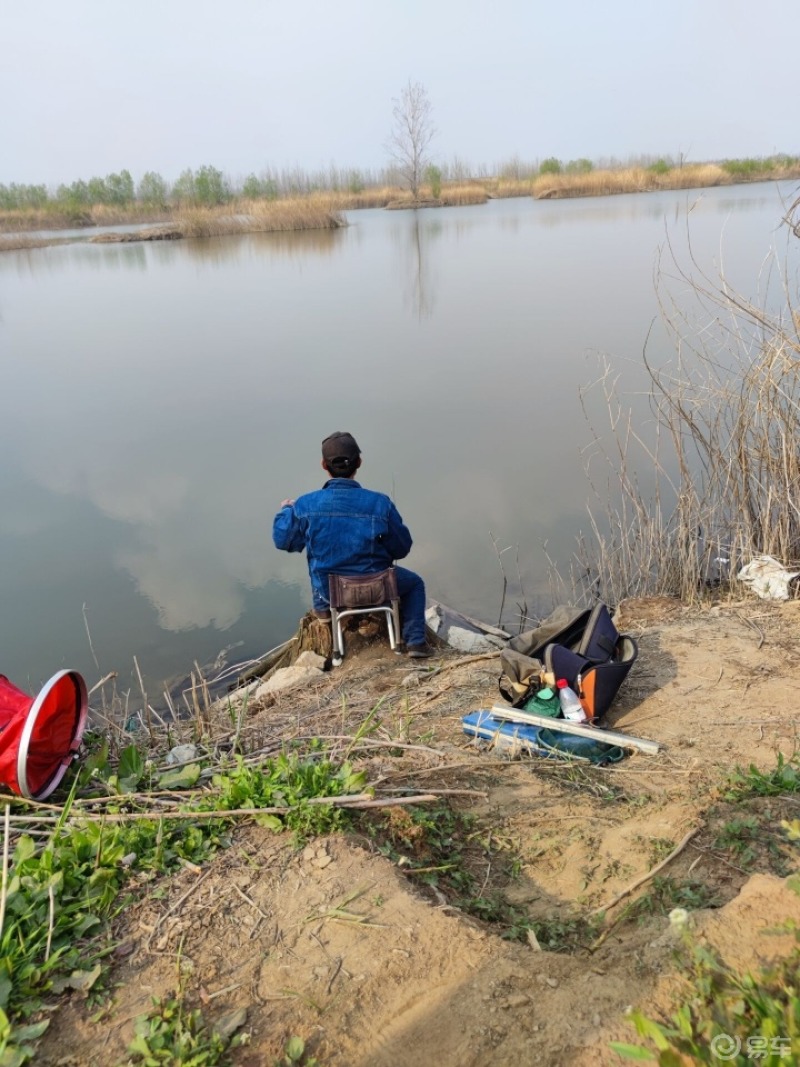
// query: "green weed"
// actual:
[[751, 1018], [294, 1053], [725, 1015], [783, 778], [287, 781], [60, 898], [568, 934], [740, 836], [174, 1036], [660, 848], [667, 893]]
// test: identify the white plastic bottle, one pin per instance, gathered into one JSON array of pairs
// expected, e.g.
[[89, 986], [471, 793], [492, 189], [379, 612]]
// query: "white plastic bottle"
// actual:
[[571, 707]]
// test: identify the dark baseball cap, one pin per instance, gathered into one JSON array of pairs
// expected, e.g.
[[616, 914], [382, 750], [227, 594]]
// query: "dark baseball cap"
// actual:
[[340, 446]]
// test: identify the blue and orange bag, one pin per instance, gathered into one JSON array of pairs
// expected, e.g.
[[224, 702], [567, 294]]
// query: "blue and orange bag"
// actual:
[[581, 645]]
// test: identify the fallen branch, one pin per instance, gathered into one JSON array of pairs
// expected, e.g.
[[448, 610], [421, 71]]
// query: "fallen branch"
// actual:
[[650, 874], [356, 800], [470, 659]]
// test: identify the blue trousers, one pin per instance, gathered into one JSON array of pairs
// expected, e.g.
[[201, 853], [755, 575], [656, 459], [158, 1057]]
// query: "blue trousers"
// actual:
[[412, 606]]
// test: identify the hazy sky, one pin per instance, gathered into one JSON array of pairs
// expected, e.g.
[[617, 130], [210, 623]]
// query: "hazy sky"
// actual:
[[88, 88]]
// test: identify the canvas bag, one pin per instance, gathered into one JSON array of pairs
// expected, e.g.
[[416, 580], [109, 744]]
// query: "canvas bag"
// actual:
[[581, 645]]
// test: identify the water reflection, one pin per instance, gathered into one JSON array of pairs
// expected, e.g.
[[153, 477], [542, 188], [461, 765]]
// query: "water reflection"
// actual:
[[416, 264], [235, 248], [154, 414], [137, 255]]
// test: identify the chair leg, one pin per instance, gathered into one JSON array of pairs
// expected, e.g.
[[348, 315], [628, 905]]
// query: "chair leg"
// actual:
[[337, 642], [396, 618], [390, 629]]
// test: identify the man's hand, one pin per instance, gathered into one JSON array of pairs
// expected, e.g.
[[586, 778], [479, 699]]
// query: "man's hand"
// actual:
[[287, 503]]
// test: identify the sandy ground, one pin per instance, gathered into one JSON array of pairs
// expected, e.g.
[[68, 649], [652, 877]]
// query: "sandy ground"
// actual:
[[336, 943]]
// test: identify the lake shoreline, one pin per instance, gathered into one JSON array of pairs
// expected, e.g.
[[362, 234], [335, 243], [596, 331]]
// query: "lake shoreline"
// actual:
[[326, 211]]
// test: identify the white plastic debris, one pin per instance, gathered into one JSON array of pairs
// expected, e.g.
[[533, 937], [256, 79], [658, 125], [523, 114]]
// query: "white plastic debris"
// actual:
[[768, 578], [182, 754]]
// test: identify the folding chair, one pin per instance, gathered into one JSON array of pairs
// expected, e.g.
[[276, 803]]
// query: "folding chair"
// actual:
[[363, 594]]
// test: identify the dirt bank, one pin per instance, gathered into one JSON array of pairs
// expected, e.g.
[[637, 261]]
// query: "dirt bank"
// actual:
[[375, 961]]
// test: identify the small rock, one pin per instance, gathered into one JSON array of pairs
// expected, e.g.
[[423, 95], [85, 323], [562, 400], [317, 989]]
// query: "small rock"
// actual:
[[305, 671], [228, 1025], [517, 1000], [410, 680], [553, 983]]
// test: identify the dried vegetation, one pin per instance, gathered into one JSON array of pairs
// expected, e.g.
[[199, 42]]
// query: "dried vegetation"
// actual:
[[648, 179], [722, 444]]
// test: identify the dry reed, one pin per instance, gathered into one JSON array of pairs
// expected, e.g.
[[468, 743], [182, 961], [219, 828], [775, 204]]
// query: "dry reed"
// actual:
[[724, 447], [368, 198], [508, 187], [628, 180], [463, 194], [260, 216], [21, 241]]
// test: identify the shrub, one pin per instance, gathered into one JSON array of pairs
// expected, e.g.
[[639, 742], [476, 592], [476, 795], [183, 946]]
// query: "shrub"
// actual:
[[550, 166], [660, 167], [579, 166], [434, 177]]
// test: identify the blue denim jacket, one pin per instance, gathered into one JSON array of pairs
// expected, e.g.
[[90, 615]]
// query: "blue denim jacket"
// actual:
[[344, 529]]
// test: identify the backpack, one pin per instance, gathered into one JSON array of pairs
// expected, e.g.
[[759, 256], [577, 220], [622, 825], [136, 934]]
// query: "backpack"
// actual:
[[581, 645]]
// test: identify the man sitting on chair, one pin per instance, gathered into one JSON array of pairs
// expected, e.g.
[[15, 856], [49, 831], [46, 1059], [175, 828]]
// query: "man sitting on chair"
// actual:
[[349, 530]]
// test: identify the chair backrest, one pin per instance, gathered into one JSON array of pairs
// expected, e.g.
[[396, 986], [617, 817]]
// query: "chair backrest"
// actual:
[[362, 590]]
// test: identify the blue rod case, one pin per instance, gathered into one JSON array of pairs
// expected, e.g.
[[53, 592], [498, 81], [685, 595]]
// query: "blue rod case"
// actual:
[[517, 738]]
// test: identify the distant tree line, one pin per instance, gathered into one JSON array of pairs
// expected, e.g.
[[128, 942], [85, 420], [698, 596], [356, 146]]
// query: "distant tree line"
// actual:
[[208, 186]]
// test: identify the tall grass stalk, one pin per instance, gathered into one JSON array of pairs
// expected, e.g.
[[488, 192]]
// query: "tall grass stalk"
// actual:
[[724, 446]]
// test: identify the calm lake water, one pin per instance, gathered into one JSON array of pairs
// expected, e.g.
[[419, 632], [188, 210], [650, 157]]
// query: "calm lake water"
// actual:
[[160, 400]]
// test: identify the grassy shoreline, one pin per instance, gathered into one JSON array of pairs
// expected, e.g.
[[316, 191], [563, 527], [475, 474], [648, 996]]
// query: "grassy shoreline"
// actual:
[[273, 216], [325, 210]]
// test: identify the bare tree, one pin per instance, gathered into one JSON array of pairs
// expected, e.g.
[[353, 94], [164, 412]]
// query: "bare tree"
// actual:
[[412, 133]]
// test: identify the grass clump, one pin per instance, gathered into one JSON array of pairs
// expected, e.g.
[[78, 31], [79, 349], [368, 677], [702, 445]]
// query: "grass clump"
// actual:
[[667, 893], [287, 781], [60, 895], [726, 1016], [173, 1035], [784, 777]]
